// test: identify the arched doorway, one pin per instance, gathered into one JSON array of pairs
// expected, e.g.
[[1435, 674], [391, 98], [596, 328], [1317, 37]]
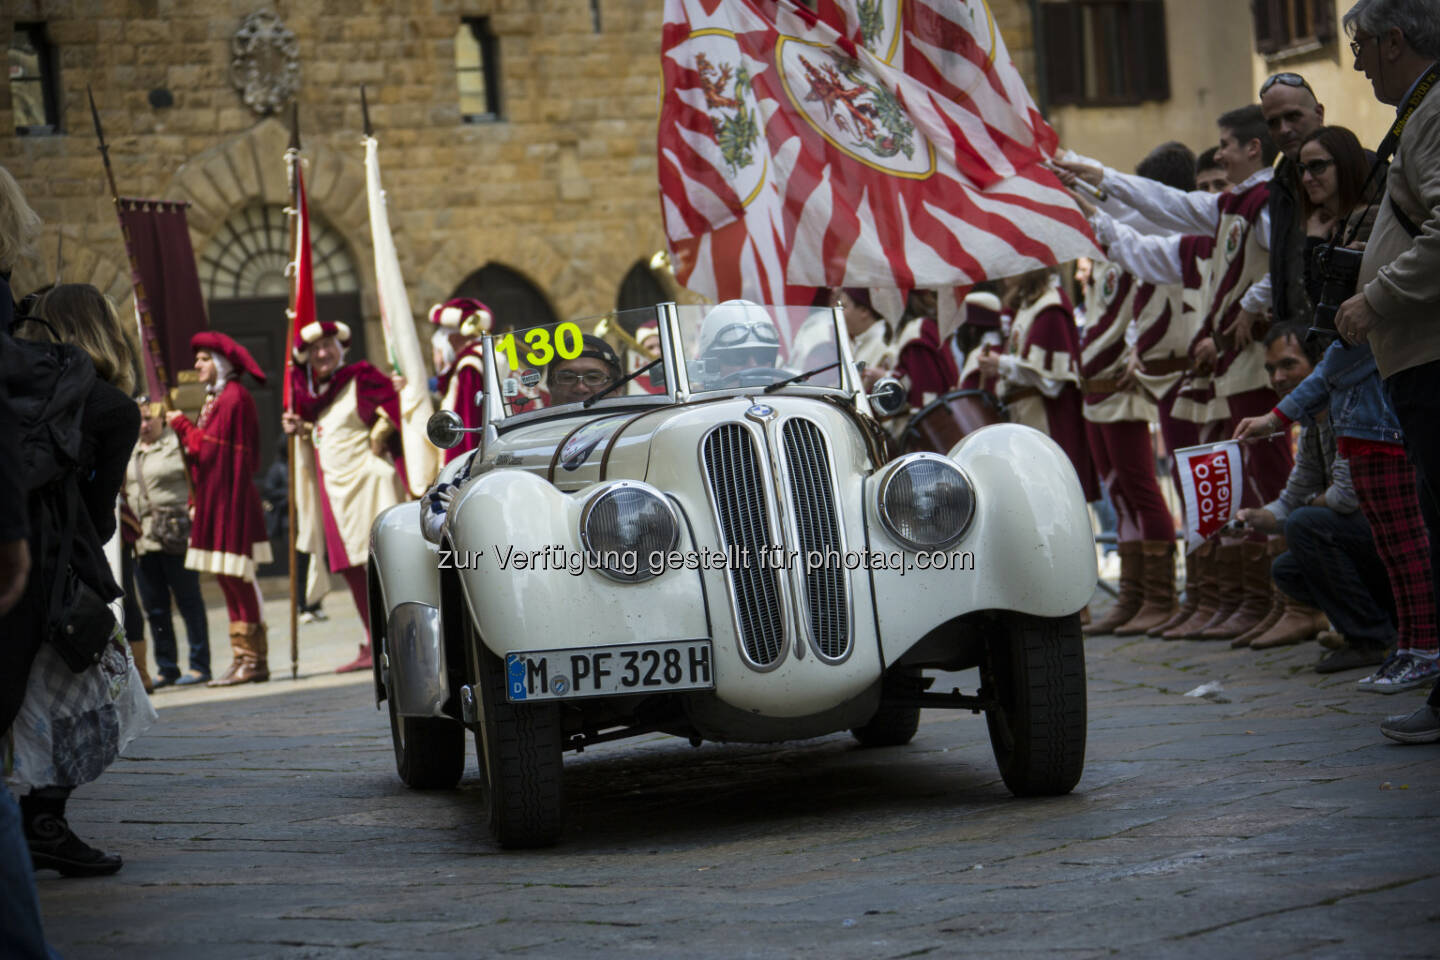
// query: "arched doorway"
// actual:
[[242, 274], [513, 299], [640, 288]]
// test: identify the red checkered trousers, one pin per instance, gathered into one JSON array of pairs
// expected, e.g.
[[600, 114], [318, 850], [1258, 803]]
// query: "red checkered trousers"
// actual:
[[1385, 486]]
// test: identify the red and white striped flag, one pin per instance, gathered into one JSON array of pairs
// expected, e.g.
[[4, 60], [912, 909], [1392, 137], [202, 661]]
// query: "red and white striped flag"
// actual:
[[874, 144]]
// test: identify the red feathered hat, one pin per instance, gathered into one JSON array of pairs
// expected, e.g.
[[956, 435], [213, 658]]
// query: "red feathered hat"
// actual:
[[213, 341], [467, 315], [312, 332]]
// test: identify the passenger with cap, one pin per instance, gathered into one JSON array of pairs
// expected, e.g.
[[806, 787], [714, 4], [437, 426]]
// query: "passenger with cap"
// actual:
[[461, 321], [736, 336], [577, 379], [227, 535], [350, 465]]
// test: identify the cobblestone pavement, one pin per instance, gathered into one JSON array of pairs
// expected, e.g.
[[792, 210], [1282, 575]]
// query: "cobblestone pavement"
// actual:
[[1270, 821]]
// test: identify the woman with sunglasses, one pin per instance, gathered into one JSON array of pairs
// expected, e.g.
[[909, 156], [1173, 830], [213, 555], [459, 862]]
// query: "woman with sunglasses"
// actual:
[[1347, 383]]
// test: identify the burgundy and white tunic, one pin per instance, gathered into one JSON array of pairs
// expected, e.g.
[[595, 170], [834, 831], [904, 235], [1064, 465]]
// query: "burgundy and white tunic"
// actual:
[[1040, 380], [340, 484]]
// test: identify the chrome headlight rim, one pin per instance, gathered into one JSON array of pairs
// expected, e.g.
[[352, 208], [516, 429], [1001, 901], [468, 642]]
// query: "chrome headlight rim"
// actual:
[[893, 471], [595, 498]]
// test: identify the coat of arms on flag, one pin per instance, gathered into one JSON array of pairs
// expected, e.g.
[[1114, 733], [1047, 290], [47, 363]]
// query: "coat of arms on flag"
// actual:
[[874, 143]]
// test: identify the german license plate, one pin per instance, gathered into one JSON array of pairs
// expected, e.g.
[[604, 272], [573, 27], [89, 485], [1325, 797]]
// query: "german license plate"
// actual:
[[607, 671]]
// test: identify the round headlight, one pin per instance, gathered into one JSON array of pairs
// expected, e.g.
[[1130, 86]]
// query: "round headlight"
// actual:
[[623, 526], [926, 502]]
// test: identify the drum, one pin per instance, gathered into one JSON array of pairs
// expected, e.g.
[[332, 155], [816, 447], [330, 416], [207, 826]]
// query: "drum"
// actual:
[[943, 422]]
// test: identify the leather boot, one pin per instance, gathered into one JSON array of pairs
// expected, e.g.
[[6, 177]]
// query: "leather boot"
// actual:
[[1298, 623], [1274, 547], [53, 845], [1127, 603], [1157, 582], [237, 650], [142, 664], [1190, 603], [361, 662], [1204, 580], [1229, 586], [1254, 594], [251, 646]]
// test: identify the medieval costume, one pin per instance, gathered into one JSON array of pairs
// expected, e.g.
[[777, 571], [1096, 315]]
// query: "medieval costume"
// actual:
[[922, 363], [227, 537], [349, 465], [1118, 413], [460, 381], [1040, 379], [1227, 259]]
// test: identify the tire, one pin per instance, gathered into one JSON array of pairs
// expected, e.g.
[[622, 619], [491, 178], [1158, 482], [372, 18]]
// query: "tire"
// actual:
[[893, 726], [1035, 668], [429, 751], [520, 747]]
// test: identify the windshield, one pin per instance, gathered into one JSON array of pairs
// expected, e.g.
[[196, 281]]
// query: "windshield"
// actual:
[[554, 364], [741, 344]]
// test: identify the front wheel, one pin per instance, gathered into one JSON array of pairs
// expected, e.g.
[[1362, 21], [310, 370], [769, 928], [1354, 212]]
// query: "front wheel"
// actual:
[[520, 748], [894, 725], [1035, 670], [429, 751]]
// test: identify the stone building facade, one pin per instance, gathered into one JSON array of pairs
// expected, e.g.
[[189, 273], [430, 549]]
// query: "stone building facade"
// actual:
[[547, 207]]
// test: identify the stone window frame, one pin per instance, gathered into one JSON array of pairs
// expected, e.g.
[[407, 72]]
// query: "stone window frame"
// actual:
[[1289, 27], [1103, 53], [488, 69], [47, 78]]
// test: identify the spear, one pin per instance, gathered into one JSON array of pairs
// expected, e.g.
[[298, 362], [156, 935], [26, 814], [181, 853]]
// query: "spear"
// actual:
[[59, 255], [156, 381], [292, 164]]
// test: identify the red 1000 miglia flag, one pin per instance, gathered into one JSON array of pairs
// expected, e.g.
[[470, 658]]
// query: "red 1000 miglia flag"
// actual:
[[877, 143], [1210, 482]]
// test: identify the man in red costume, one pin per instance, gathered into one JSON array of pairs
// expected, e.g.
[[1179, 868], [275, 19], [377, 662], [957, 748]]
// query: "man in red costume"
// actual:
[[349, 465], [227, 537], [461, 322]]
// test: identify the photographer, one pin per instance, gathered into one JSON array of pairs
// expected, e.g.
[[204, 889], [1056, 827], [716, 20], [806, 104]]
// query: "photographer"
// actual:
[[1396, 44]]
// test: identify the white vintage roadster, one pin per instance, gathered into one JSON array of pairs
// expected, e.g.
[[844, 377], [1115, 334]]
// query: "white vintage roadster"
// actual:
[[732, 554]]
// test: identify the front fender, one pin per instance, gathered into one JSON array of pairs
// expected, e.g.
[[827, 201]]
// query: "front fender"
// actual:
[[513, 540], [1029, 549], [403, 567]]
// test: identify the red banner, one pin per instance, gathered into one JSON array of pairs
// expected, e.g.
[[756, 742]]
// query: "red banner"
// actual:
[[167, 287], [302, 300]]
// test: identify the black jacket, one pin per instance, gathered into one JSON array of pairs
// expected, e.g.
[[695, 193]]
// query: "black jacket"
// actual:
[[111, 425]]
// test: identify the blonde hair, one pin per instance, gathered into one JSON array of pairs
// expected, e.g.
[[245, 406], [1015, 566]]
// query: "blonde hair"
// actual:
[[85, 317], [19, 225]]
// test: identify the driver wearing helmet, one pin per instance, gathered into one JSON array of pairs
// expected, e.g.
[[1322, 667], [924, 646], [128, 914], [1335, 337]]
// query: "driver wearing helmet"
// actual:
[[737, 336]]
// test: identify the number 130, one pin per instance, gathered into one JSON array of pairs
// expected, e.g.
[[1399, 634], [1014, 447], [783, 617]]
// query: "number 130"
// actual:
[[567, 344]]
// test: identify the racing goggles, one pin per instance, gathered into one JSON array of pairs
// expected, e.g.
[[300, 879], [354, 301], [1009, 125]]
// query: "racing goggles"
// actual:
[[746, 333]]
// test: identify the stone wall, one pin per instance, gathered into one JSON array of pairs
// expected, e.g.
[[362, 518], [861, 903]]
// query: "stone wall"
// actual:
[[562, 189]]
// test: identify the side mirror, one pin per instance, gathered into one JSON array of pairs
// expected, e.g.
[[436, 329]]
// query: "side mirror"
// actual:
[[889, 397], [444, 429]]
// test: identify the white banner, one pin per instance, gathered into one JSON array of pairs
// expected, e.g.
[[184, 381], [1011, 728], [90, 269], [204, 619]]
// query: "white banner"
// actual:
[[422, 459]]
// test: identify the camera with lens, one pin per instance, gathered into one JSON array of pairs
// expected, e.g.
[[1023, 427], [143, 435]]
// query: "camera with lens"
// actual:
[[1339, 269]]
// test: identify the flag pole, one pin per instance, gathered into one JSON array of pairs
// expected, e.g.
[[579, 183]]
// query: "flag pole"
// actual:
[[292, 164], [156, 379]]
